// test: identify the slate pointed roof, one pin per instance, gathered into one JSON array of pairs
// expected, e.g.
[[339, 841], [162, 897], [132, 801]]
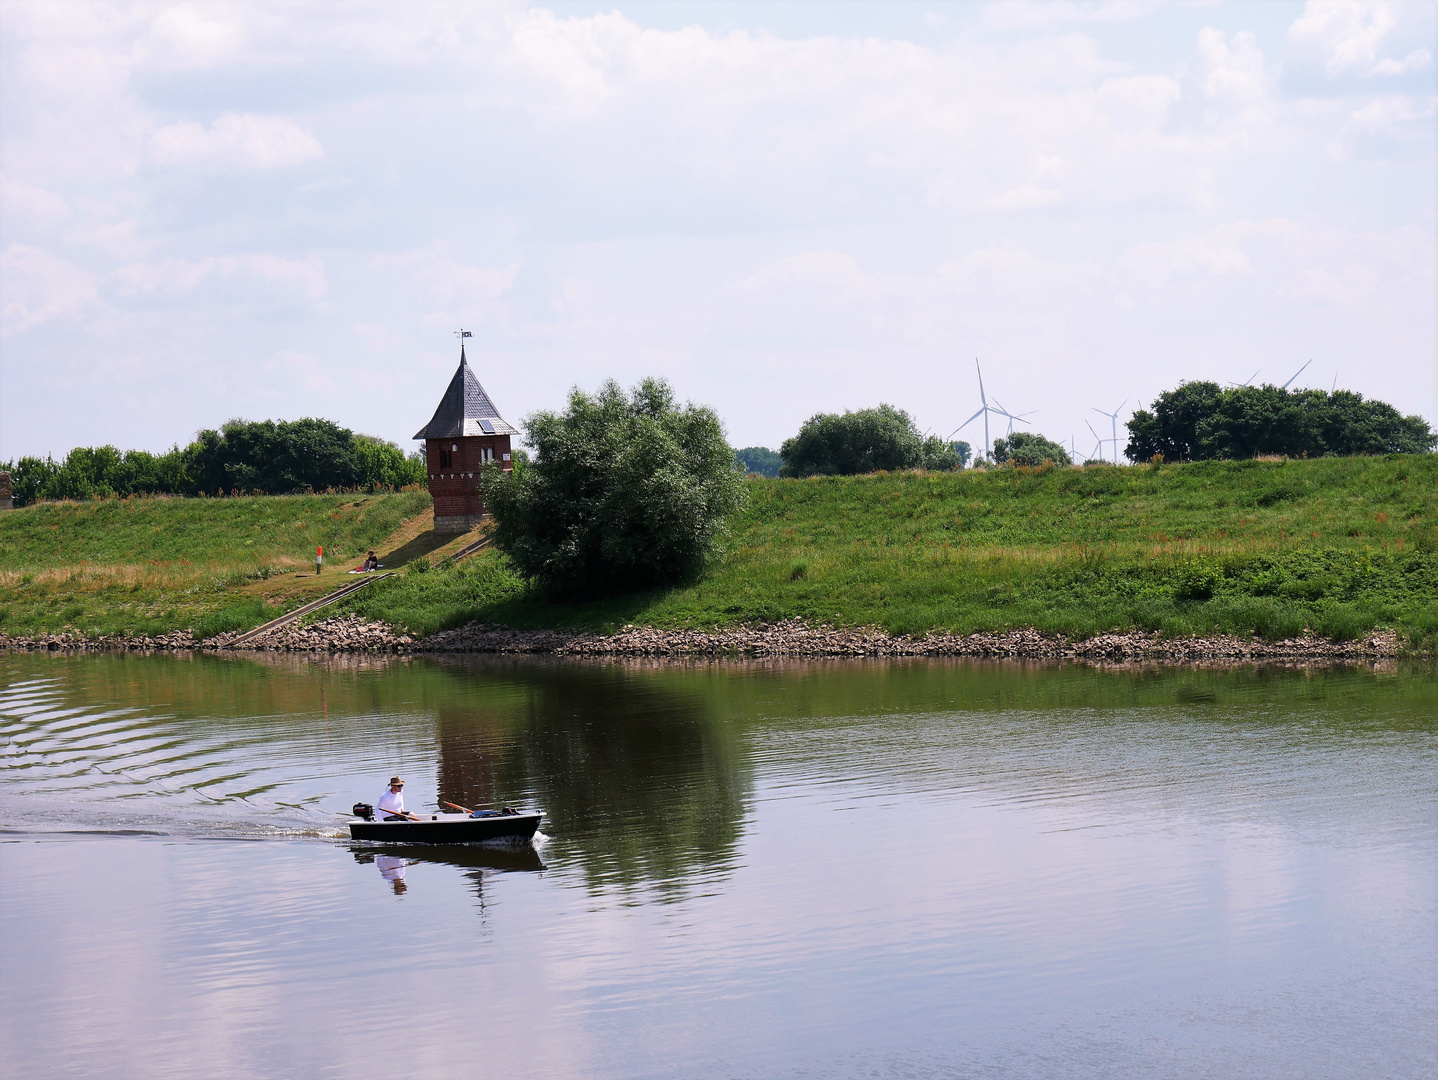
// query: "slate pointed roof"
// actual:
[[465, 409]]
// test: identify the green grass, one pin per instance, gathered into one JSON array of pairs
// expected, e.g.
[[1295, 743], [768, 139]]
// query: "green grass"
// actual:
[[125, 566], [1334, 546]]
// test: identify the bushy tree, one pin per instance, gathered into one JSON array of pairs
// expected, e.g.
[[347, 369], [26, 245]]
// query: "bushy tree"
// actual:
[[963, 451], [1201, 421], [759, 460], [28, 478], [381, 464], [275, 456], [626, 491], [830, 444], [1171, 429], [1029, 448]]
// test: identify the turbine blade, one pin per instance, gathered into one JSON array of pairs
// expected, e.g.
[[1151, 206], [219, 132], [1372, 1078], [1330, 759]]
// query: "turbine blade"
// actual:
[[966, 423], [1295, 375]]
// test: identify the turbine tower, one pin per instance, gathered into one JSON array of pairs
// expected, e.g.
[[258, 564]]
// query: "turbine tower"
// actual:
[[1113, 416], [1098, 441]]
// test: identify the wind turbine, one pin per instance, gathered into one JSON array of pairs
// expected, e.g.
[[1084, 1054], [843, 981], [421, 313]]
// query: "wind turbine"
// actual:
[[1013, 416], [1113, 416], [984, 411], [1247, 380], [1296, 374], [1098, 442]]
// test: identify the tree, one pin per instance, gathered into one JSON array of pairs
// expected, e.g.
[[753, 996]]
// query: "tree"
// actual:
[[1171, 429], [275, 456], [381, 464], [829, 444], [963, 451], [759, 460], [1200, 421], [626, 491], [1029, 448]]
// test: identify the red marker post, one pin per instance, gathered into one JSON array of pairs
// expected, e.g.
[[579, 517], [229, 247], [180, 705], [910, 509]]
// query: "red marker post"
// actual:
[[319, 559]]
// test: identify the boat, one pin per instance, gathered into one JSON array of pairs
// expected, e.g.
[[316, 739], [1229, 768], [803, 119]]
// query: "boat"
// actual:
[[449, 828]]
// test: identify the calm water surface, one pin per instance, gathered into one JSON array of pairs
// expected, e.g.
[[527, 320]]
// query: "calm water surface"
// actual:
[[808, 870]]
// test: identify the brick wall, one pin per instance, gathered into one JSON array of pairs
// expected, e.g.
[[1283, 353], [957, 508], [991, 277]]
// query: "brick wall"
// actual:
[[454, 467]]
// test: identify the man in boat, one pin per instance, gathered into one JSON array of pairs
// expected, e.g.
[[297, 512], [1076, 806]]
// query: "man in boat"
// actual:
[[390, 805]]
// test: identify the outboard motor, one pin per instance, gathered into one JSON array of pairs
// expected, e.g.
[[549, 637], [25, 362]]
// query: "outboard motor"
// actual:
[[363, 810]]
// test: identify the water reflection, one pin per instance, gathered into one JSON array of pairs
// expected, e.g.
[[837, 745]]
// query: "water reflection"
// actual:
[[927, 868], [645, 770], [474, 860], [391, 868], [640, 779]]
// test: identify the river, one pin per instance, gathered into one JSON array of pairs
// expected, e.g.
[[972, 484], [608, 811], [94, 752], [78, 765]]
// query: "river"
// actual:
[[799, 869]]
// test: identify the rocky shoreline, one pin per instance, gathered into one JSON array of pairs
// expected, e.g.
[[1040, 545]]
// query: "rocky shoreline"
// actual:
[[793, 638]]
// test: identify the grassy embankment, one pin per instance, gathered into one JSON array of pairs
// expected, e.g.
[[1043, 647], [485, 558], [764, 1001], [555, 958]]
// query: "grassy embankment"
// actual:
[[1335, 546], [132, 566]]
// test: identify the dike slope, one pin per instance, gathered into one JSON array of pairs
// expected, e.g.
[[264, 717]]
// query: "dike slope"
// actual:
[[1220, 552], [1335, 548]]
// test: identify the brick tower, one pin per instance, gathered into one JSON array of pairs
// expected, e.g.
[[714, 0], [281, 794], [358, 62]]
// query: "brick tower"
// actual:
[[465, 434]]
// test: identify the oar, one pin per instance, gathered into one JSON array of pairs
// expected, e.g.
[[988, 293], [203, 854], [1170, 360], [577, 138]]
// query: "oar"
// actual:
[[462, 809]]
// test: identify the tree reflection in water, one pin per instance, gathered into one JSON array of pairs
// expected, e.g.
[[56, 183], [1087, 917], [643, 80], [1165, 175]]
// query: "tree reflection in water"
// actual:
[[640, 778]]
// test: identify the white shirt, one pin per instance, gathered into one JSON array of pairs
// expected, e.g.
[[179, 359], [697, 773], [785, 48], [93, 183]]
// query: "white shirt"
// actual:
[[391, 802]]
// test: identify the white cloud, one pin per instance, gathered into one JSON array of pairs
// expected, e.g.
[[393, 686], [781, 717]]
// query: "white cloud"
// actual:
[[1051, 13], [245, 140], [36, 287], [1349, 38], [30, 206], [827, 269], [1231, 69], [1414, 61], [732, 207], [189, 35], [277, 277], [1384, 126], [1155, 264], [1392, 115], [472, 286]]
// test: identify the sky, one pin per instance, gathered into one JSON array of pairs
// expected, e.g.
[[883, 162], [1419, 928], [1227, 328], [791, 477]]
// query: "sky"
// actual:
[[253, 210]]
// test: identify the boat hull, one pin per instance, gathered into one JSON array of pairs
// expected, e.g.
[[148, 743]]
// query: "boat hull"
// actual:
[[447, 829]]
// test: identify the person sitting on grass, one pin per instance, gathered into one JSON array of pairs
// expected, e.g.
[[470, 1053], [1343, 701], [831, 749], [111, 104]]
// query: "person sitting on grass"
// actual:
[[371, 563]]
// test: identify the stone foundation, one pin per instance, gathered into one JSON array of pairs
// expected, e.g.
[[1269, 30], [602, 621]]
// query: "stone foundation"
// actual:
[[457, 523]]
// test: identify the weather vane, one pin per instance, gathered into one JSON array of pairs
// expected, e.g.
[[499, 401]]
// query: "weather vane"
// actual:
[[462, 334]]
